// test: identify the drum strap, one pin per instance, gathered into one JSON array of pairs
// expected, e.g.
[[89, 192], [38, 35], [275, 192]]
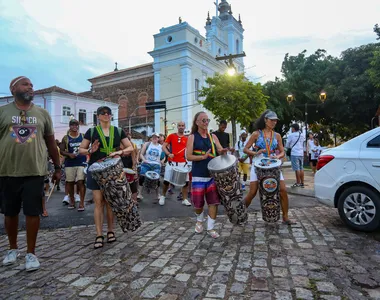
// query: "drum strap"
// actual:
[[108, 148]]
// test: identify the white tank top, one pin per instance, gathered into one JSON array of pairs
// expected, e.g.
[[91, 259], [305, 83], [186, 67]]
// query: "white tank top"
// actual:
[[153, 154]]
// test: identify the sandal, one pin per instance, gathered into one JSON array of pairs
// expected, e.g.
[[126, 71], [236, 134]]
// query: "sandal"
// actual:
[[111, 237], [71, 206], [99, 244], [80, 208], [45, 213], [288, 222], [213, 233]]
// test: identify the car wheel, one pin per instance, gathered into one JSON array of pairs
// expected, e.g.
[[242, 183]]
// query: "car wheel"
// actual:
[[359, 208]]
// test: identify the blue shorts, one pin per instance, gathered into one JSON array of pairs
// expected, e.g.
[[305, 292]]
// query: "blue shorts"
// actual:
[[150, 167], [297, 162]]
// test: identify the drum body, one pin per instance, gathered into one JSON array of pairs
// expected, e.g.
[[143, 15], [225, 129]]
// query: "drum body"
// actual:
[[111, 178], [268, 176], [151, 180], [224, 170], [178, 176], [130, 174]]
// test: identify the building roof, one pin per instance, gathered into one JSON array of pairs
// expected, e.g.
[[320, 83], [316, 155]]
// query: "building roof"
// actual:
[[123, 70], [55, 89]]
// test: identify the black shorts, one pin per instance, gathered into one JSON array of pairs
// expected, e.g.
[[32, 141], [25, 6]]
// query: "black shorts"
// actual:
[[314, 162], [133, 186], [26, 190]]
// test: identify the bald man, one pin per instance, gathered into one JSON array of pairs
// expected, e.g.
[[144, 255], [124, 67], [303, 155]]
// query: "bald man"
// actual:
[[174, 147], [26, 130]]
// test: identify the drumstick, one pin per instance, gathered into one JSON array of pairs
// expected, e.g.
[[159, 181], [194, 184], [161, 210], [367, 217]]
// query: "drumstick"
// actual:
[[180, 151], [51, 192]]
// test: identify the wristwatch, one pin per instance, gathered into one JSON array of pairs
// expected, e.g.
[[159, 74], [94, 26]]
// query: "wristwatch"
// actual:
[[89, 150], [57, 167]]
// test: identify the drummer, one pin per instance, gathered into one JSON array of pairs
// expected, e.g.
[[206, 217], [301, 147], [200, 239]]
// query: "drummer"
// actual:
[[152, 160], [201, 148], [176, 158], [99, 138], [267, 141], [130, 162]]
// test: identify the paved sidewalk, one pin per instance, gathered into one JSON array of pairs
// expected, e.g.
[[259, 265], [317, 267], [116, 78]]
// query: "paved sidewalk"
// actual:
[[290, 179], [319, 258]]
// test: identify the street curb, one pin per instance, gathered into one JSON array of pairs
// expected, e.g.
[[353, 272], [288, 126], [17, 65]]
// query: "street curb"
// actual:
[[300, 192]]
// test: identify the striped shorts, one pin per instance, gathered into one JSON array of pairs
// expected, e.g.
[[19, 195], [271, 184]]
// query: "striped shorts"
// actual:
[[204, 189]]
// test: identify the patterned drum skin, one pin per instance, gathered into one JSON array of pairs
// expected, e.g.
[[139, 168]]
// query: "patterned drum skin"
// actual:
[[224, 170], [268, 175], [151, 180], [111, 178]]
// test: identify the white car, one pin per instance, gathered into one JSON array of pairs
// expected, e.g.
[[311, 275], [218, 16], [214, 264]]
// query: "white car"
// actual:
[[348, 178]]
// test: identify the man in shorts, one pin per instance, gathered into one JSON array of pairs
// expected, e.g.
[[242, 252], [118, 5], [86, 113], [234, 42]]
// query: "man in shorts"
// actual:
[[26, 130], [295, 141]]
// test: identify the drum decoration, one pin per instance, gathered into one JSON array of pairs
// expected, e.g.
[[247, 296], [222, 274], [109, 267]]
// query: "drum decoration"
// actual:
[[268, 175], [224, 170], [111, 178], [151, 180]]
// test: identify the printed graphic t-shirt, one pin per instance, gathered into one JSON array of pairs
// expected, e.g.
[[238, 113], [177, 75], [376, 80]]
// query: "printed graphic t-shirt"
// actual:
[[178, 146], [22, 146]]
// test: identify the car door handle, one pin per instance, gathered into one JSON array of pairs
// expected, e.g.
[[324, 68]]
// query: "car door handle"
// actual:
[[376, 165]]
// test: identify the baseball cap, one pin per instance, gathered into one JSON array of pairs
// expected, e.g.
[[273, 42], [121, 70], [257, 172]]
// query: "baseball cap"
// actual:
[[271, 115], [73, 121], [103, 108], [155, 134], [242, 132]]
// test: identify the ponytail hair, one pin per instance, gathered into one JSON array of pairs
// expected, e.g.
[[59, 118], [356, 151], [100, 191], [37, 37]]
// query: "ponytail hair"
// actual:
[[194, 127], [260, 122]]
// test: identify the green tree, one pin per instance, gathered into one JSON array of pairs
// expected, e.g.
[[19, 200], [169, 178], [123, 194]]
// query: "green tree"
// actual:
[[374, 71], [233, 98]]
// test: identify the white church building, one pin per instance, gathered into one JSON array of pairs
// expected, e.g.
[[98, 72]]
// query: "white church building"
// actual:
[[183, 59]]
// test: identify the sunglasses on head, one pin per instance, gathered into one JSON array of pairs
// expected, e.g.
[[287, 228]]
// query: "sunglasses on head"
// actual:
[[23, 117], [179, 140], [105, 112], [205, 121]]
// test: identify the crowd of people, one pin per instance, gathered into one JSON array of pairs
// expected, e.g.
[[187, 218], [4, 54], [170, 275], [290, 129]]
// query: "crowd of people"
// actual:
[[24, 173]]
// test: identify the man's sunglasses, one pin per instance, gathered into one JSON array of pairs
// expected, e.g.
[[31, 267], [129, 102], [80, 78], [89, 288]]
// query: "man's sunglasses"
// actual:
[[105, 113]]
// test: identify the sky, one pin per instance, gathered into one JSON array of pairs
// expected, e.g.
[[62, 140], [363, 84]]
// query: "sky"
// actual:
[[66, 42]]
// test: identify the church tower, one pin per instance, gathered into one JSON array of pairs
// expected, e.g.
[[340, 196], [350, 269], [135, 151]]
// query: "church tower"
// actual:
[[225, 34]]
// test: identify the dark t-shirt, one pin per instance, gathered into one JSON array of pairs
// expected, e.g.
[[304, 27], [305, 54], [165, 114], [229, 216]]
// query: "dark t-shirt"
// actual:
[[95, 136], [223, 137]]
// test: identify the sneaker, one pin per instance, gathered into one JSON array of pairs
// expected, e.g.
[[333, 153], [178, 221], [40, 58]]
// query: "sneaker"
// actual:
[[198, 227], [302, 185], [213, 233], [77, 198], [296, 185], [162, 200], [186, 202], [139, 196], [11, 257], [66, 200], [32, 262]]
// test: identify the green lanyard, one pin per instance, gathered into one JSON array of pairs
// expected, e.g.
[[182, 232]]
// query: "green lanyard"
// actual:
[[108, 148]]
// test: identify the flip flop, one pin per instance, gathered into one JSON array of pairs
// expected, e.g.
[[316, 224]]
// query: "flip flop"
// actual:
[[288, 222], [80, 208]]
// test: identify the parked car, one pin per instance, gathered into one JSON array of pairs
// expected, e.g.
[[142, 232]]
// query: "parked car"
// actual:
[[348, 178]]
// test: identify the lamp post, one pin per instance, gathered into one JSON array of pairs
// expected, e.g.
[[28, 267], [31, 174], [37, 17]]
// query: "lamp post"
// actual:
[[322, 96]]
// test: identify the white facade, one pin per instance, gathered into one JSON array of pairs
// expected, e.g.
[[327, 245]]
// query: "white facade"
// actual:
[[63, 107], [184, 59]]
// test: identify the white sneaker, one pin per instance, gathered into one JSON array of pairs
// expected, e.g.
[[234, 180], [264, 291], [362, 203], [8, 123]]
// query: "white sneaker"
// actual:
[[66, 200], [11, 257], [198, 227], [162, 200], [77, 198], [32, 262], [186, 202]]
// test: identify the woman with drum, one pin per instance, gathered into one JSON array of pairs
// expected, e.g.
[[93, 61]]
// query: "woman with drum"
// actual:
[[152, 159], [105, 141], [267, 142], [201, 148]]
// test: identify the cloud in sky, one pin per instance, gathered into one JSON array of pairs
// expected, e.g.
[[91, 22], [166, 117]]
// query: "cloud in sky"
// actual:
[[65, 42]]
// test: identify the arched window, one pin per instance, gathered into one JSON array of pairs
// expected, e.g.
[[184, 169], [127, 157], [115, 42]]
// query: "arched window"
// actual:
[[123, 108], [142, 100], [237, 47]]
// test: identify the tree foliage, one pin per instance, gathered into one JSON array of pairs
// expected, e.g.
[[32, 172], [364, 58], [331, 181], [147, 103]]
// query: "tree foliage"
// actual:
[[233, 98], [374, 71]]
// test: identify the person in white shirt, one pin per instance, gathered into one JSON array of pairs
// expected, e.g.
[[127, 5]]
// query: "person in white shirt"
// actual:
[[295, 142], [309, 146], [244, 159], [315, 152]]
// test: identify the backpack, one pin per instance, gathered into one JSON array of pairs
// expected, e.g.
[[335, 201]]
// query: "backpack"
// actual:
[[66, 138]]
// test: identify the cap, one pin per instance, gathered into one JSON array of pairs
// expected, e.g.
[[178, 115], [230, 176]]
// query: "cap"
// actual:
[[102, 108], [155, 134], [242, 132], [271, 115], [73, 121]]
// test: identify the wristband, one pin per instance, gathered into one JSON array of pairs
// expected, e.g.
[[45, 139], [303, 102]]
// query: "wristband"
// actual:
[[57, 167], [89, 150]]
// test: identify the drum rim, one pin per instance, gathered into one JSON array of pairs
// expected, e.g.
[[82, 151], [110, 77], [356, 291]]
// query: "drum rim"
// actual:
[[150, 172], [220, 158], [271, 166], [130, 173]]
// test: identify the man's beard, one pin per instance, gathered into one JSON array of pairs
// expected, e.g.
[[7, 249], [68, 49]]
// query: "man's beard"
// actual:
[[25, 96]]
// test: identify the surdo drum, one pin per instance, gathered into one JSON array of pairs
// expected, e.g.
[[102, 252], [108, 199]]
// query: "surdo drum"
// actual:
[[268, 176], [224, 170], [151, 180], [178, 176], [109, 175]]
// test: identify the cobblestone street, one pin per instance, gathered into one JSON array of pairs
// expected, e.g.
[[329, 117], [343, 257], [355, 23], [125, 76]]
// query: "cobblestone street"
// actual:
[[319, 258]]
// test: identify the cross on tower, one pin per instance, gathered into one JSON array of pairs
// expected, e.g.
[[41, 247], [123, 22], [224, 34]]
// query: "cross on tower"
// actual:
[[217, 7], [116, 67]]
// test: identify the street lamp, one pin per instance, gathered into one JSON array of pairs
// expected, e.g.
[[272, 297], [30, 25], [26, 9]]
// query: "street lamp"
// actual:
[[322, 97], [231, 71]]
